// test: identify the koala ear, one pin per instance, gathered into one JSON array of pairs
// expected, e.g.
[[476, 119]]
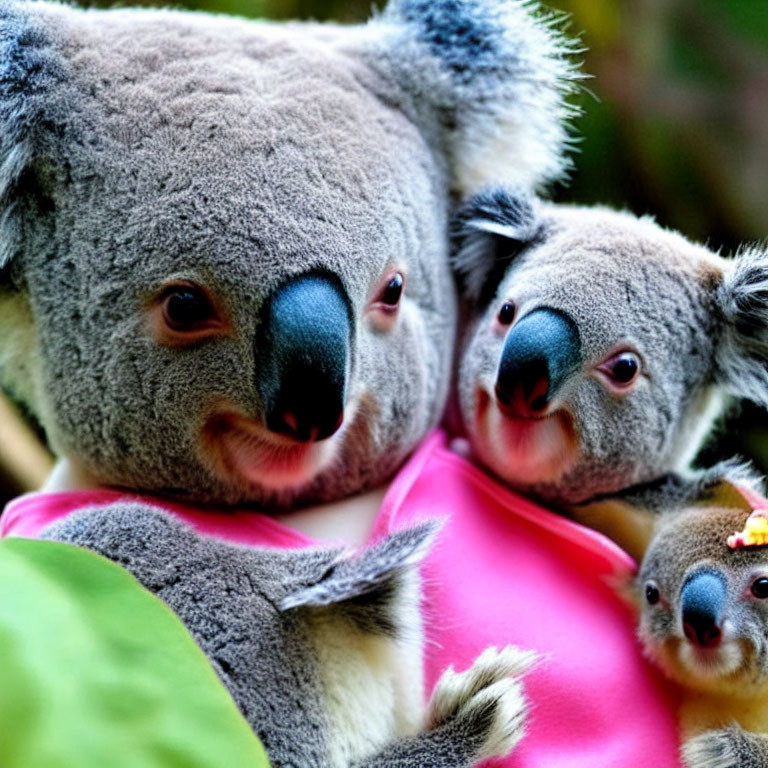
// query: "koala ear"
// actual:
[[488, 231], [27, 71], [493, 75], [742, 297], [370, 588]]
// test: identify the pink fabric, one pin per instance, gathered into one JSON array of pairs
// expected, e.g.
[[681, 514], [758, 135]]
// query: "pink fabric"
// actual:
[[29, 514], [503, 571]]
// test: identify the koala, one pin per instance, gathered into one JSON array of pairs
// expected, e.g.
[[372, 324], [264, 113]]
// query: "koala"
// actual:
[[703, 619], [224, 267], [224, 280], [320, 648], [599, 350]]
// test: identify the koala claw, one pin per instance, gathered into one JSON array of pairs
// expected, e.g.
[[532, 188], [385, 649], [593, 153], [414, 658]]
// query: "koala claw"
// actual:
[[712, 749], [488, 698]]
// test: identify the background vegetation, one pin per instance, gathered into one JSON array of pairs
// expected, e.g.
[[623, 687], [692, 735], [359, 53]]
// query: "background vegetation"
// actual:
[[675, 123]]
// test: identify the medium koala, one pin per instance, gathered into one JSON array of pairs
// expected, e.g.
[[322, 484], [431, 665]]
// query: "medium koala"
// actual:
[[599, 351], [704, 620], [320, 649]]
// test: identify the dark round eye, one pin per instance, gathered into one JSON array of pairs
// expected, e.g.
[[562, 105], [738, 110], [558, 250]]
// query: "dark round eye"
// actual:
[[506, 313], [760, 587], [652, 594], [393, 290], [622, 368], [187, 306]]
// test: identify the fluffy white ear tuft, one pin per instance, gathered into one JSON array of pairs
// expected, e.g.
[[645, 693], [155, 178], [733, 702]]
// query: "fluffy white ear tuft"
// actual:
[[496, 74], [743, 350]]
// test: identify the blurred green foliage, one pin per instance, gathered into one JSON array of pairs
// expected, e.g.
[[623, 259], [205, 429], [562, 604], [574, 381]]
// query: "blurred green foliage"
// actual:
[[97, 672]]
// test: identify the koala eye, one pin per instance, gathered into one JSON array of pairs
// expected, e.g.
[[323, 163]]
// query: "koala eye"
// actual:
[[383, 309], [187, 307], [760, 587], [652, 594], [506, 313], [621, 369], [393, 290]]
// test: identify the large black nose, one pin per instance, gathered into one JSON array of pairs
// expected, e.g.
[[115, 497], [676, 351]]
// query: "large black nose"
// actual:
[[303, 353], [702, 604], [540, 352]]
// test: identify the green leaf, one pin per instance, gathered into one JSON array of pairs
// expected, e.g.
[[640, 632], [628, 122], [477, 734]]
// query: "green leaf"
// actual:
[[96, 672]]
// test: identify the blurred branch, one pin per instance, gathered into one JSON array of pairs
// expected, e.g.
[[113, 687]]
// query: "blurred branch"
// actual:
[[22, 456]]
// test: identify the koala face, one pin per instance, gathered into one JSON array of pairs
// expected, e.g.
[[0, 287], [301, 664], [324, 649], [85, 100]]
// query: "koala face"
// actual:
[[597, 347], [274, 315], [224, 268], [704, 607], [259, 324]]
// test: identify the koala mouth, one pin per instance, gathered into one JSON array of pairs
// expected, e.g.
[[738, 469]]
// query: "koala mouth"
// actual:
[[709, 665], [248, 454], [524, 450]]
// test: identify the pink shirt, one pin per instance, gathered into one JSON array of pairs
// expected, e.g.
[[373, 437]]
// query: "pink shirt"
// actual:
[[503, 570]]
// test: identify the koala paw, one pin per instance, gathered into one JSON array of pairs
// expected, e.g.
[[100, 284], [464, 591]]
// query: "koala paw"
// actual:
[[486, 701], [712, 749]]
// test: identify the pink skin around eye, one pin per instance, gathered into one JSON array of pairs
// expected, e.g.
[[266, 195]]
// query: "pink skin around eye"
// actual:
[[168, 334], [382, 313], [504, 318], [617, 364]]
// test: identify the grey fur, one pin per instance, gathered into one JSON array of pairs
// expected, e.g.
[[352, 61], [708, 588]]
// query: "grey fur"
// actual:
[[743, 298], [140, 146], [724, 707], [676, 490], [262, 615], [731, 747], [697, 321]]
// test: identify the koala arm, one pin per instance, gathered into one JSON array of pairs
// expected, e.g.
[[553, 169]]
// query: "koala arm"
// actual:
[[252, 611], [629, 516], [472, 716], [731, 747], [228, 597]]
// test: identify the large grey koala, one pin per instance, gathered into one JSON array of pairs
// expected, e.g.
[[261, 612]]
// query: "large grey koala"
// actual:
[[223, 252], [600, 349]]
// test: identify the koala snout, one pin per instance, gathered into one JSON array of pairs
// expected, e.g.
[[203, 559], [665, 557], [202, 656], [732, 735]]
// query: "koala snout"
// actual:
[[540, 352], [303, 354], [702, 606]]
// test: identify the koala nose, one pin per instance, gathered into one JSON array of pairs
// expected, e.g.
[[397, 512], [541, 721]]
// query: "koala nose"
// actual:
[[702, 603], [303, 352], [540, 352]]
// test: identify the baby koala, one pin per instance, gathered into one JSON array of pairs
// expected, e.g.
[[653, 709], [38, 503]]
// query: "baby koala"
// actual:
[[320, 649], [704, 620], [599, 349]]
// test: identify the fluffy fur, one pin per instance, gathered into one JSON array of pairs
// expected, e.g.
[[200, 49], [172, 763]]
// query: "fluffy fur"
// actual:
[[142, 146], [724, 711], [146, 148], [320, 650], [695, 320]]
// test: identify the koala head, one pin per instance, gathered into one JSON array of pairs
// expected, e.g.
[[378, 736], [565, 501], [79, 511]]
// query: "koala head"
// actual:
[[600, 345], [223, 267], [704, 607]]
